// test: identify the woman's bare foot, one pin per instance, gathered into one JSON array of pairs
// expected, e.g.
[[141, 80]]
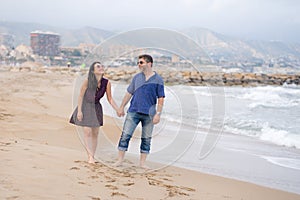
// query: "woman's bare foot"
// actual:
[[91, 160]]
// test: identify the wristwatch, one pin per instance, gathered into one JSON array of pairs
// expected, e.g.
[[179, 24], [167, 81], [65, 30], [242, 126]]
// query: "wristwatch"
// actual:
[[158, 113]]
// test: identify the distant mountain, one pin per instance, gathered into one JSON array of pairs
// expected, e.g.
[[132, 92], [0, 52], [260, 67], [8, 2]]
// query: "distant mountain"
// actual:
[[84, 35], [21, 33], [234, 48], [217, 46], [275, 48]]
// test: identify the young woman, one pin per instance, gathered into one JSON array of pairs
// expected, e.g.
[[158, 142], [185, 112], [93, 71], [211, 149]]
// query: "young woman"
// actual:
[[89, 113]]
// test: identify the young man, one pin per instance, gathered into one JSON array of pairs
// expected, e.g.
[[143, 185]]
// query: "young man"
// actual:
[[146, 92]]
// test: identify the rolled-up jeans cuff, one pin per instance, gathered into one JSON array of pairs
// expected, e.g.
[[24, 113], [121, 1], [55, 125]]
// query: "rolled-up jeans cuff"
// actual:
[[122, 149], [143, 151]]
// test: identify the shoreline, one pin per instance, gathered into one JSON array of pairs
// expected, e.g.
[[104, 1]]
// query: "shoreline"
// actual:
[[177, 77], [44, 159]]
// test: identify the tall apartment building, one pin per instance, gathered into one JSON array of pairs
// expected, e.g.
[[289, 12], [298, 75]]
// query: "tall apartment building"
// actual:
[[45, 43]]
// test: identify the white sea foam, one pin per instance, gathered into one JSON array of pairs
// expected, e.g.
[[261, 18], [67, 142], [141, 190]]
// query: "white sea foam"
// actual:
[[280, 137], [242, 127], [262, 131], [293, 86], [284, 162], [277, 97]]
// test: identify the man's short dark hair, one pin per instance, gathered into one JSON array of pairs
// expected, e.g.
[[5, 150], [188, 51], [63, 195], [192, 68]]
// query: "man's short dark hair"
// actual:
[[147, 58]]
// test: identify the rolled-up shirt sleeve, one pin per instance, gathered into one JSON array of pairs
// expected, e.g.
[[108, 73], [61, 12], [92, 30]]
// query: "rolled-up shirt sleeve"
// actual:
[[131, 88], [160, 90]]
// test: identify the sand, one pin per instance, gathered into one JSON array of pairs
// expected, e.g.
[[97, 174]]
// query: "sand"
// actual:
[[42, 156]]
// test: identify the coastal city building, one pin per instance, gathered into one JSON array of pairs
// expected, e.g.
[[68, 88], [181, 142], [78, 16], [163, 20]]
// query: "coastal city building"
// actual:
[[45, 43]]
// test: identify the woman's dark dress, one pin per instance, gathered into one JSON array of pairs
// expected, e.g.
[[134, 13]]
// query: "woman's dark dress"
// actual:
[[91, 107]]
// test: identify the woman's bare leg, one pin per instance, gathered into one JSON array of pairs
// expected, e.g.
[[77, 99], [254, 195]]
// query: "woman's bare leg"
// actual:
[[95, 132], [87, 134]]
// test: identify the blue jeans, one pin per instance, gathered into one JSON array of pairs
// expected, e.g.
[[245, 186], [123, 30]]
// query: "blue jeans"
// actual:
[[130, 124]]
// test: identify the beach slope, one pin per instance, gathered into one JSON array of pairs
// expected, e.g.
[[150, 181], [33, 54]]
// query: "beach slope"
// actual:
[[42, 156]]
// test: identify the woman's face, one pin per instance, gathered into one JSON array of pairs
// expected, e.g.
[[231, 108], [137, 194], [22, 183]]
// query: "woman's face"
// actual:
[[98, 69]]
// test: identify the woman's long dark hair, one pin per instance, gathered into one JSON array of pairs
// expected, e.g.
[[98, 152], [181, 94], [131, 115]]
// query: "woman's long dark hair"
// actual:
[[92, 80]]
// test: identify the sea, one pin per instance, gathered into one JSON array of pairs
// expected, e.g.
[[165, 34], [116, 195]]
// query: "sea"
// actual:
[[245, 133]]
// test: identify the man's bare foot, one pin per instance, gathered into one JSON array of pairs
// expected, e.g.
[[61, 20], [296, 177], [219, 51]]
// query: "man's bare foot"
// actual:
[[118, 163], [145, 167]]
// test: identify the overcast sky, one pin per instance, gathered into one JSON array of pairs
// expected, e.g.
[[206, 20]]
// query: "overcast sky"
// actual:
[[248, 19]]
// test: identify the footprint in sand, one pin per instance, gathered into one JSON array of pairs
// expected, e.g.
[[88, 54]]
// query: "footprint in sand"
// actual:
[[188, 189], [166, 179], [12, 197], [155, 182], [112, 187], [74, 168], [95, 198], [94, 177], [128, 184], [129, 170], [5, 115], [124, 174], [118, 194], [37, 102], [4, 150], [109, 179], [4, 143], [173, 190]]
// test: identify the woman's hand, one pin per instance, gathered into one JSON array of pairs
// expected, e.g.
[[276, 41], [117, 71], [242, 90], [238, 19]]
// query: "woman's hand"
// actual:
[[120, 112], [79, 116]]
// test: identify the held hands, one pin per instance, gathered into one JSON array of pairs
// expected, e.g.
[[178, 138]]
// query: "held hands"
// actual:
[[120, 112]]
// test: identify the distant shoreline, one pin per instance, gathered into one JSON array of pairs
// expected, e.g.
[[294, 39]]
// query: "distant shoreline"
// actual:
[[186, 77]]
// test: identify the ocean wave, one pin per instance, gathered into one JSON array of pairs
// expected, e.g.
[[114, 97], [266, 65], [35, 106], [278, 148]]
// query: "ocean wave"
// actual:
[[242, 127], [284, 162], [286, 96], [262, 131], [283, 103], [293, 86], [272, 97], [279, 137]]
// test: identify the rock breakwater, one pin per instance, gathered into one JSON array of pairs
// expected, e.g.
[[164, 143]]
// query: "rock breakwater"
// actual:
[[178, 77]]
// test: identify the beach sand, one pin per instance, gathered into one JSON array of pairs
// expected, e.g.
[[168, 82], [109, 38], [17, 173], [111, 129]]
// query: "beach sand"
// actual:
[[42, 156]]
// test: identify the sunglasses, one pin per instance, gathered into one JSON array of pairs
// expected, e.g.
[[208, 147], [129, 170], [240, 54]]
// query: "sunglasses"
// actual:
[[98, 66], [140, 62]]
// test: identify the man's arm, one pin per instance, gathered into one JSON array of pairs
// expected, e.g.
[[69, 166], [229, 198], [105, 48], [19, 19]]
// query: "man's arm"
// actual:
[[160, 103], [125, 100]]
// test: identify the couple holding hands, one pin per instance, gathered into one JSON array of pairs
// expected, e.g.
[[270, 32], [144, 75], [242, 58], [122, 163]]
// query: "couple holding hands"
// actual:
[[146, 92]]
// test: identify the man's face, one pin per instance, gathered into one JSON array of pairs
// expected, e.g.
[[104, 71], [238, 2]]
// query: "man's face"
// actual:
[[142, 64]]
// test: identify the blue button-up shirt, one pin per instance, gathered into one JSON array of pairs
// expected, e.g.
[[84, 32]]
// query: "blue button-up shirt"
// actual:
[[145, 93]]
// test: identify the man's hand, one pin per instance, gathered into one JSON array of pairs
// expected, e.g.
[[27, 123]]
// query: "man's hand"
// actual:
[[120, 112], [156, 119]]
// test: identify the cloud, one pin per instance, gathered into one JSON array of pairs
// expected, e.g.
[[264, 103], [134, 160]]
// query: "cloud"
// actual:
[[245, 18]]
